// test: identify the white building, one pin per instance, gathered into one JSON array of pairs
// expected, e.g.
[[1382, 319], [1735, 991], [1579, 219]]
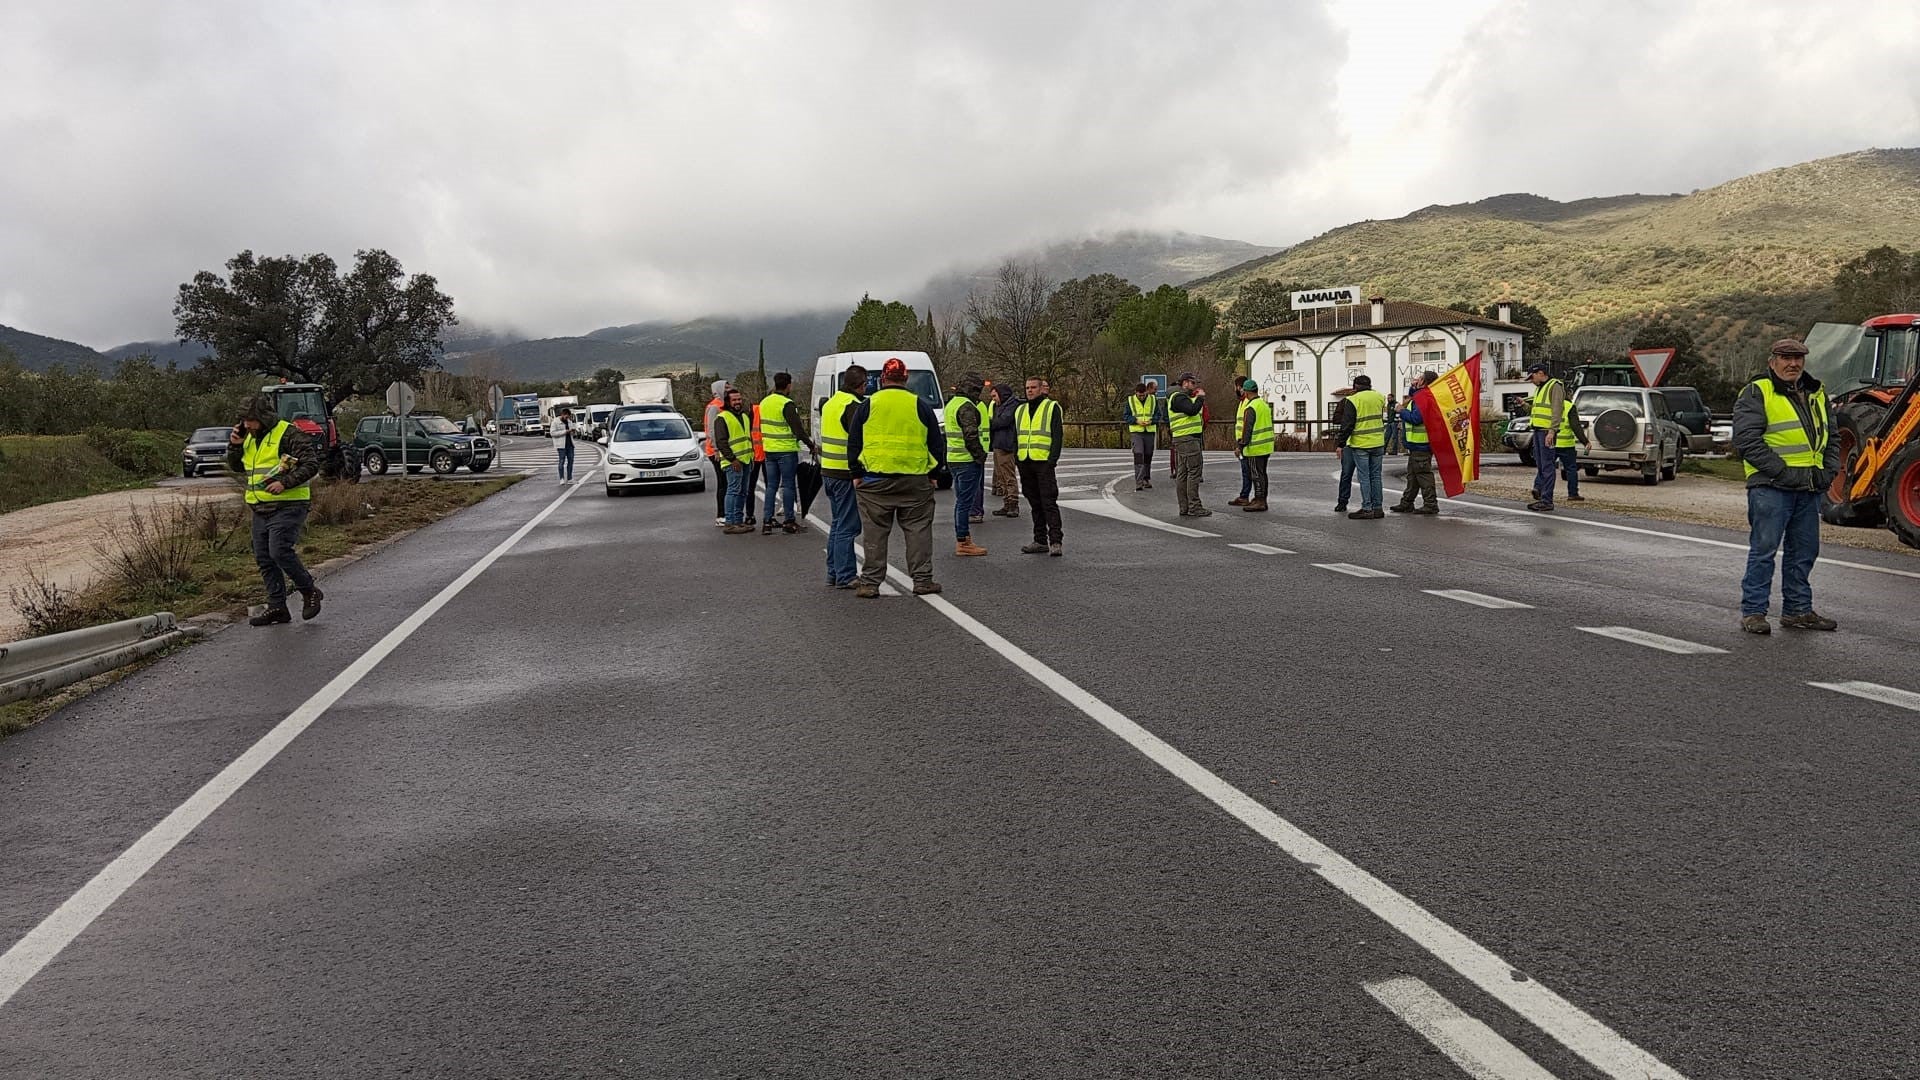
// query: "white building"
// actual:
[[1301, 363]]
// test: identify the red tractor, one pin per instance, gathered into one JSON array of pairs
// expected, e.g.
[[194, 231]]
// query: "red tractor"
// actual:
[[1869, 371], [304, 405]]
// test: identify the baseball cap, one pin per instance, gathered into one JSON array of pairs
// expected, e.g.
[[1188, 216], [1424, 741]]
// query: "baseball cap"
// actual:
[[1250, 386], [1787, 346], [1541, 368], [1188, 376], [894, 368]]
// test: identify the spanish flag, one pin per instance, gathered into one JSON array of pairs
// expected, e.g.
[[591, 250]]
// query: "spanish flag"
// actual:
[[1450, 410]]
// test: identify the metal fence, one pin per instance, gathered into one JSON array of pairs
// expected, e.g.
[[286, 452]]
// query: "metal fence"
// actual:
[[1219, 435]]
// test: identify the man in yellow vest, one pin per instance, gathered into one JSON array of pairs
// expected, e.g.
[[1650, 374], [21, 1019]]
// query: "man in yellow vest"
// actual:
[[1367, 443], [895, 448], [1419, 451], [1041, 432], [1254, 443], [1550, 424], [966, 459], [783, 431], [1782, 431], [733, 441], [836, 475], [1143, 419], [1187, 423], [276, 461]]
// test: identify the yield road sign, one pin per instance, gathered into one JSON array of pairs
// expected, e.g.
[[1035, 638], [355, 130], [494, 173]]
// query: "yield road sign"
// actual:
[[1652, 364], [400, 399]]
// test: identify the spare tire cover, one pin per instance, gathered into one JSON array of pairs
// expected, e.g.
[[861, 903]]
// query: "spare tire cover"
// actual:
[[1616, 429]]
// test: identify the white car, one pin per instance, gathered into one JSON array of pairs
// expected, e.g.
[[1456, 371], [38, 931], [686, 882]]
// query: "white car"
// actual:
[[654, 450]]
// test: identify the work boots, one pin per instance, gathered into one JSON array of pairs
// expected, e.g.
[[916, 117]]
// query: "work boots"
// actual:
[[1010, 510], [968, 547], [1255, 506]]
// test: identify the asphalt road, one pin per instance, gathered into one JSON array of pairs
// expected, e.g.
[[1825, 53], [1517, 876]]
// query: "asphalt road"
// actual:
[[641, 800]]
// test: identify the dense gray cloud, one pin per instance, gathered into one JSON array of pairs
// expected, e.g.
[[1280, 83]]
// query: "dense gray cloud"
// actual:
[[575, 164]]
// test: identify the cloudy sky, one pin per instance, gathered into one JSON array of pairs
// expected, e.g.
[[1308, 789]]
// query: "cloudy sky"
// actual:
[[576, 163]]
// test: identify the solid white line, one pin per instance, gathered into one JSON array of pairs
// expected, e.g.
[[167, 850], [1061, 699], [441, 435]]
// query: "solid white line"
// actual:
[[1479, 1050], [45, 941], [1352, 570], [1467, 596], [1566, 1022], [1117, 512], [1263, 549], [1650, 640], [1886, 695]]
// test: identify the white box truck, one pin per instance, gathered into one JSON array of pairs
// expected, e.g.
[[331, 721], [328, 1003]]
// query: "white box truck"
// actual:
[[547, 407], [651, 391]]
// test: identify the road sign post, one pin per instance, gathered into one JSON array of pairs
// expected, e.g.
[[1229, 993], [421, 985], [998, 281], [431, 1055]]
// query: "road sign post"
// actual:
[[400, 402]]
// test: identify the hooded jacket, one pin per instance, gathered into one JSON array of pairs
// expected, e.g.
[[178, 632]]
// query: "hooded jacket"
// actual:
[[295, 443]]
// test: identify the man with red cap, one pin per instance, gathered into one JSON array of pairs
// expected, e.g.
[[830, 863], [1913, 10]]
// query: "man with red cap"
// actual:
[[895, 447]]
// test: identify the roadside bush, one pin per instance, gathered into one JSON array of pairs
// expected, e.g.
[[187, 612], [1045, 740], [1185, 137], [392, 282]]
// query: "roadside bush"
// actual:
[[153, 553], [46, 608], [142, 453]]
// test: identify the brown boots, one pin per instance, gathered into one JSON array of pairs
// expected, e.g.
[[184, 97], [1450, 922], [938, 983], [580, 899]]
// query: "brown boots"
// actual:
[[968, 547], [1255, 506]]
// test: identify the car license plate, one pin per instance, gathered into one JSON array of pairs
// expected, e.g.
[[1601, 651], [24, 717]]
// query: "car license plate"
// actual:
[[655, 474]]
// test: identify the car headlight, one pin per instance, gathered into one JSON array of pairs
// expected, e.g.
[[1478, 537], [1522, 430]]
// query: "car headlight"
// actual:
[[691, 455], [616, 459]]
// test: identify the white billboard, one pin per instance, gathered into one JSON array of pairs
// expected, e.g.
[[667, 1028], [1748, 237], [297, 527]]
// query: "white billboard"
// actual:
[[1310, 299]]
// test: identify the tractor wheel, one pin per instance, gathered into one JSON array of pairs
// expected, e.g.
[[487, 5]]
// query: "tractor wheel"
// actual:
[[1856, 420], [1900, 494]]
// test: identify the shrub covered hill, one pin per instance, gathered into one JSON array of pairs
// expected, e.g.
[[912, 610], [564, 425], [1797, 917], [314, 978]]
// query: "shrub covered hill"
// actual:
[[1738, 265]]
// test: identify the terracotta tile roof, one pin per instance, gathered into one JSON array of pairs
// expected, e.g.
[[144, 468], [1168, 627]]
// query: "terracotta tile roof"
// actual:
[[1401, 315]]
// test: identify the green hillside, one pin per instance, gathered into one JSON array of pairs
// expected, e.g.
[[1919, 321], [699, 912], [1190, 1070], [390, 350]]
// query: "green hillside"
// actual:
[[38, 353], [1739, 264]]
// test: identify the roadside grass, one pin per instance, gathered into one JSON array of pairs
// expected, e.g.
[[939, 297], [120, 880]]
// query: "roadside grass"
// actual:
[[1720, 468], [37, 469], [197, 558]]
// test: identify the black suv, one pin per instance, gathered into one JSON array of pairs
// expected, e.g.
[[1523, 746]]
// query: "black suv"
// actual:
[[1690, 412], [432, 442]]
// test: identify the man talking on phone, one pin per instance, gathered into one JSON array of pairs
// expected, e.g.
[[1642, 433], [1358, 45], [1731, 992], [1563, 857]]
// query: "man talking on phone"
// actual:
[[276, 461]]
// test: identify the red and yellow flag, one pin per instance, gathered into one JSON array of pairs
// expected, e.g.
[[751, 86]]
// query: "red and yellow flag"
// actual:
[[1450, 409]]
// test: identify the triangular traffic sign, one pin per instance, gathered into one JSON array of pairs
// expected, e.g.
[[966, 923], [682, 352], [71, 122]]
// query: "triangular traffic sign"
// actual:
[[1652, 364]]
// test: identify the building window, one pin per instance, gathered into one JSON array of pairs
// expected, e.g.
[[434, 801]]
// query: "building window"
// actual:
[[1283, 360], [1300, 413], [1356, 359]]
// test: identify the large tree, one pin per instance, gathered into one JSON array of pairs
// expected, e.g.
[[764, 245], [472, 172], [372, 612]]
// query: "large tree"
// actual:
[[300, 319], [1261, 303], [1162, 323], [1012, 334], [876, 325], [1883, 281], [1083, 307]]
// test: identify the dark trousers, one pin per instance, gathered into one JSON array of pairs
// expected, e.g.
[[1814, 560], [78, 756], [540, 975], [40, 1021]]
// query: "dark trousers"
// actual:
[[1043, 499], [719, 486], [1143, 457], [1256, 469], [563, 461], [1545, 464], [1246, 477], [276, 531], [1419, 476], [967, 476]]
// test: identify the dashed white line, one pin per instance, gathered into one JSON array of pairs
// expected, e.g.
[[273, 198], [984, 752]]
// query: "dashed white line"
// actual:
[[1650, 640], [1886, 695], [1467, 596], [1353, 571], [1263, 549], [1479, 1050]]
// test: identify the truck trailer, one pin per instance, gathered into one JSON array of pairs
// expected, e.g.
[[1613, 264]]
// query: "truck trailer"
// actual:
[[515, 411]]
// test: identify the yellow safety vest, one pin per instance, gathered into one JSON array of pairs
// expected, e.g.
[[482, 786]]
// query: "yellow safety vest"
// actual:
[[1181, 425], [261, 458], [1568, 433], [1035, 428], [957, 452], [776, 435], [1260, 444], [1142, 414], [1416, 432], [1369, 420], [738, 433], [893, 439], [1786, 435], [833, 431], [986, 418], [1542, 415]]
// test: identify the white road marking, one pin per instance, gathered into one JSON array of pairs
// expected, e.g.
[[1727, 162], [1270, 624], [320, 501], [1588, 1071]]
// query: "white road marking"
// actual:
[[1886, 695], [1574, 1028], [1479, 1050], [1650, 640], [1263, 549], [1467, 596], [1353, 571], [1106, 509], [55, 932]]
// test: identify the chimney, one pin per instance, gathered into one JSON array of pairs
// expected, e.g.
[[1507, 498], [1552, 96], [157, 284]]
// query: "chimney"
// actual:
[[1505, 310], [1379, 309]]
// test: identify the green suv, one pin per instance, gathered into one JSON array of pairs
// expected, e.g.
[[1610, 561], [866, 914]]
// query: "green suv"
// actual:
[[433, 442]]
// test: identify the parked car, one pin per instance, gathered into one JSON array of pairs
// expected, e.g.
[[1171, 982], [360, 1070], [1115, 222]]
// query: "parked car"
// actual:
[[1518, 436], [1722, 436], [1630, 427], [434, 442], [1691, 412], [613, 418], [654, 450], [206, 451]]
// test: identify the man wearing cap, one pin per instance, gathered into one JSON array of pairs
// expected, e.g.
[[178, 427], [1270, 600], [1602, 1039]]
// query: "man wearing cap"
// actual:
[[1042, 435], [1367, 444], [1254, 444], [966, 459], [1548, 419], [1143, 411], [276, 460], [1783, 434], [1188, 425], [894, 448]]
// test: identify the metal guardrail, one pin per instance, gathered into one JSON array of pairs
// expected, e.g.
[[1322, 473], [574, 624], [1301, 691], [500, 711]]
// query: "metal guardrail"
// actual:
[[39, 665]]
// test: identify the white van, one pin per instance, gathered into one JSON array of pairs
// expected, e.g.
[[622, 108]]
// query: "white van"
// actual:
[[922, 379]]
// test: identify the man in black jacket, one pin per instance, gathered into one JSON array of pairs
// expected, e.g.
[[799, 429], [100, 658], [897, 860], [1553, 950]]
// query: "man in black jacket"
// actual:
[[276, 461], [1187, 423], [1783, 434], [1041, 435], [1005, 443]]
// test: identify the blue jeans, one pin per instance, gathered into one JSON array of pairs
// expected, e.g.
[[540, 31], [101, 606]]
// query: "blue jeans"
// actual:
[[737, 495], [1569, 457], [1349, 458], [564, 461], [1545, 463], [1777, 516], [1367, 463], [782, 468], [841, 567], [967, 479], [1246, 478]]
